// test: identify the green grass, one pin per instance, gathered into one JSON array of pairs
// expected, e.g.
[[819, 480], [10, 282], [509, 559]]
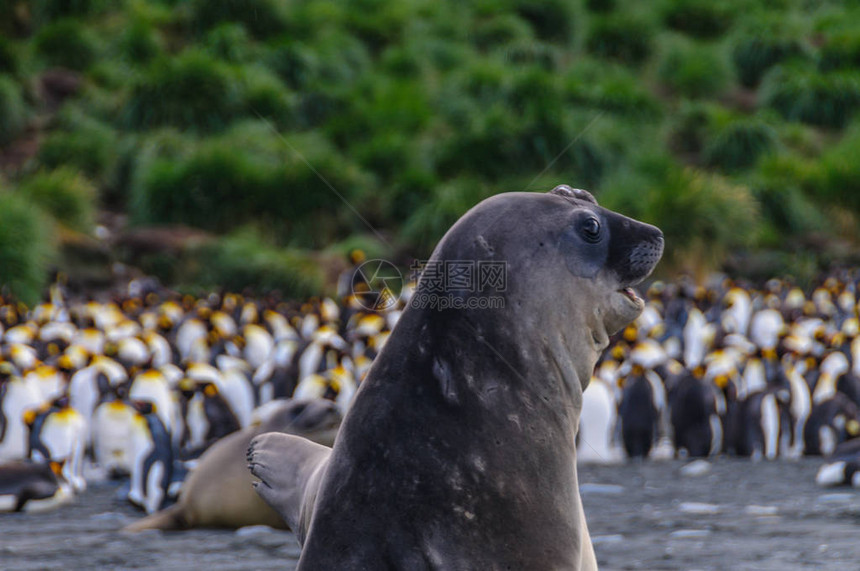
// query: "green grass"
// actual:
[[694, 70], [9, 57], [738, 144], [83, 143], [837, 176], [789, 210], [191, 91], [26, 247], [248, 175], [245, 261], [262, 18], [67, 43], [233, 114], [140, 43], [765, 41], [622, 37], [699, 18], [800, 93], [841, 51], [14, 112], [65, 194]]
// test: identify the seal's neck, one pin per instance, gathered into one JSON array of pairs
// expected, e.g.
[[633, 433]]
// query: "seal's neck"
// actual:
[[484, 359]]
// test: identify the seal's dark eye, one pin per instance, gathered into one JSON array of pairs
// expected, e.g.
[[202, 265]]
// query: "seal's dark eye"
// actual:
[[591, 230]]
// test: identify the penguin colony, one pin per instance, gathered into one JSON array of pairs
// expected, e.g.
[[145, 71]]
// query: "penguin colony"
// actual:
[[140, 385], [760, 373]]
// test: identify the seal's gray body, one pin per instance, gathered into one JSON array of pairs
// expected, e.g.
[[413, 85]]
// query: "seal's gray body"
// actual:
[[458, 451]]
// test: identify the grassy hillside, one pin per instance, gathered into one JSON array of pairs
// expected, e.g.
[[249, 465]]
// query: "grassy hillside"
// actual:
[[286, 129]]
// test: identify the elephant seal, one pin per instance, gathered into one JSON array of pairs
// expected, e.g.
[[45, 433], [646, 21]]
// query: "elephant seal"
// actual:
[[218, 492], [458, 451]]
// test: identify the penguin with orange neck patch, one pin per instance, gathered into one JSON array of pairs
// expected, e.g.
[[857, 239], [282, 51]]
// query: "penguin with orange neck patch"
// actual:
[[152, 459], [830, 423], [32, 486], [843, 468], [58, 433], [698, 429], [638, 413]]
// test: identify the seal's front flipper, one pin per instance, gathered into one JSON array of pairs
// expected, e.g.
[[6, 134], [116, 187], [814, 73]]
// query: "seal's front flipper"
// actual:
[[290, 470]]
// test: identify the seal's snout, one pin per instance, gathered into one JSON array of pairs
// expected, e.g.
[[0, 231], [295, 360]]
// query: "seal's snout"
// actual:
[[644, 257], [634, 250]]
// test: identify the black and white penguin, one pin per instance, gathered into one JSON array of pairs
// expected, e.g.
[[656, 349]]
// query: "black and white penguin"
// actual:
[[112, 428], [32, 486], [279, 326], [763, 425], [233, 386], [836, 375], [336, 382], [278, 376], [638, 414], [257, 345], [58, 433], [831, 423], [53, 339], [843, 468], [50, 381], [594, 441], [193, 331], [207, 414], [152, 386], [16, 397], [152, 459], [697, 426]]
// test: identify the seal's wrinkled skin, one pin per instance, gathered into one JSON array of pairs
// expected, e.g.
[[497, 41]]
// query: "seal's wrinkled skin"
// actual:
[[458, 451]]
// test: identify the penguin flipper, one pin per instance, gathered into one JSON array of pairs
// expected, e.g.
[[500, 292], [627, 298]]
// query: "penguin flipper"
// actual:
[[170, 518], [290, 470]]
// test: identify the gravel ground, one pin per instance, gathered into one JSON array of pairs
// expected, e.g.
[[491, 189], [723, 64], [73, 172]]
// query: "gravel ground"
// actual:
[[738, 515]]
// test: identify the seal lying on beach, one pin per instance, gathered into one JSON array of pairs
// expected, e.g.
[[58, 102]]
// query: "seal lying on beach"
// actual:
[[459, 449], [218, 491]]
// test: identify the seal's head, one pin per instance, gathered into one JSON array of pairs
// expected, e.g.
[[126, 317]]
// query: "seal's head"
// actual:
[[618, 252], [570, 267]]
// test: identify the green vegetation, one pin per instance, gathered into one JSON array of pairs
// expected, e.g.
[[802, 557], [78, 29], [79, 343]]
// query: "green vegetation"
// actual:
[[64, 194], [700, 18], [622, 37], [244, 260], [13, 110], [82, 142], [694, 70], [824, 99], [191, 91], [66, 43], [765, 41], [25, 247], [284, 131], [739, 143]]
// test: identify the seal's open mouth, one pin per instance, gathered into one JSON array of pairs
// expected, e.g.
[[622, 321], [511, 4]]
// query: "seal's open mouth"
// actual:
[[631, 294]]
